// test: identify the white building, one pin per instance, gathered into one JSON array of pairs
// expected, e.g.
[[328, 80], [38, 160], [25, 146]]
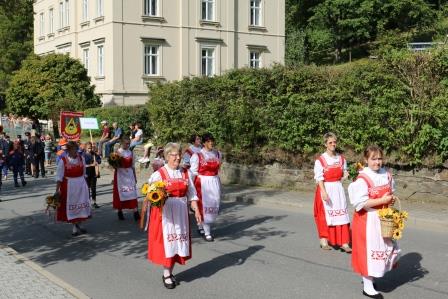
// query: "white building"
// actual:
[[126, 44]]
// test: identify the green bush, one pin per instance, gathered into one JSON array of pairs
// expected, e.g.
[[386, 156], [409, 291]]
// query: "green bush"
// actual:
[[124, 116], [279, 114]]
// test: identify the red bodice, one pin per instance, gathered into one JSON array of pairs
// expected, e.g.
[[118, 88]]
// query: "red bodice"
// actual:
[[209, 167], [73, 170], [126, 162], [332, 173], [376, 192], [175, 187]]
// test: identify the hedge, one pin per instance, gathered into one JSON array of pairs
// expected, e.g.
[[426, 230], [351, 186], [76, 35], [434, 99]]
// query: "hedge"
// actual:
[[123, 115], [398, 102]]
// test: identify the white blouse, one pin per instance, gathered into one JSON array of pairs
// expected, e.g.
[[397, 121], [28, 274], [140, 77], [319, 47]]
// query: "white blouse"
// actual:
[[61, 167], [208, 155], [358, 190], [319, 169], [176, 174]]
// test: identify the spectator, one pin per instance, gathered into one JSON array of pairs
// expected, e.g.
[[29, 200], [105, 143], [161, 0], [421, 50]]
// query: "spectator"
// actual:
[[138, 136], [118, 132], [132, 131], [48, 149], [16, 160], [147, 153], [105, 137], [4, 149], [36, 154], [26, 151], [62, 151], [92, 160]]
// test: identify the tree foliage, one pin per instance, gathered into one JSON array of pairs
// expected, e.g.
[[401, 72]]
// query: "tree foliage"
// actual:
[[46, 85], [16, 37], [400, 103]]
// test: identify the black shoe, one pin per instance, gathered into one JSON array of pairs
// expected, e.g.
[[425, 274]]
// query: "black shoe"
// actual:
[[173, 278], [120, 215], [136, 216], [171, 285], [95, 205], [201, 232], [377, 296], [16, 185], [77, 233], [23, 183]]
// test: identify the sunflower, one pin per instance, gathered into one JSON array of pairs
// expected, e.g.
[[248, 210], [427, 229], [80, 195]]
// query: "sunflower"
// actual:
[[404, 215], [397, 234], [145, 188], [401, 225], [382, 213], [390, 212], [396, 217]]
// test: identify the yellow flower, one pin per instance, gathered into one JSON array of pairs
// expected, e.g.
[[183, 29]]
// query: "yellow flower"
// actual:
[[145, 188], [401, 225], [359, 166], [396, 217], [390, 212], [397, 234], [382, 213], [160, 184], [404, 215]]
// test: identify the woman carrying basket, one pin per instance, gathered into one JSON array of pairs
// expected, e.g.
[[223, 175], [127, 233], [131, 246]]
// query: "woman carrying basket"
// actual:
[[372, 254]]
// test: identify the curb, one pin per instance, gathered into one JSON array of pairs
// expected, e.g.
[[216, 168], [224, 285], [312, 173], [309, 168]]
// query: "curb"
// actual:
[[307, 208], [54, 279]]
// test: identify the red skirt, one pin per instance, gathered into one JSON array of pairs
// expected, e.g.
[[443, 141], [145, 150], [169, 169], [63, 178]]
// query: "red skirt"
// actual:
[[61, 211], [336, 235], [156, 248], [117, 204]]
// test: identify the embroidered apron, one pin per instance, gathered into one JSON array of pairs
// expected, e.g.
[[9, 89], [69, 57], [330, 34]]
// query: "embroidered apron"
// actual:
[[127, 188], [78, 200]]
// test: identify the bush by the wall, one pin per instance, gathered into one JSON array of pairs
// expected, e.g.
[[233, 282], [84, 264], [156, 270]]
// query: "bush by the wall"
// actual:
[[124, 116], [399, 102]]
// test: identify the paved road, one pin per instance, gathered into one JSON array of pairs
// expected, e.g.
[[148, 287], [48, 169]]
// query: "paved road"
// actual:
[[260, 252]]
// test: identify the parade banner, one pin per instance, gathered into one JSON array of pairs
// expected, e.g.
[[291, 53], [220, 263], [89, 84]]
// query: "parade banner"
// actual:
[[88, 123], [70, 125]]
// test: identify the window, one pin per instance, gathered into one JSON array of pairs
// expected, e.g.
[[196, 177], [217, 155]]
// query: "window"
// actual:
[[61, 15], [99, 8], [85, 59], [85, 10], [255, 12], [150, 8], [50, 21], [151, 60], [101, 61], [208, 10], [207, 61], [67, 12], [254, 59], [41, 24]]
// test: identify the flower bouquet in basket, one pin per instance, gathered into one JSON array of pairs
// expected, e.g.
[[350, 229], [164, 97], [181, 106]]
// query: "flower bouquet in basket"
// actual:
[[354, 169], [392, 222], [155, 197], [114, 160], [53, 201]]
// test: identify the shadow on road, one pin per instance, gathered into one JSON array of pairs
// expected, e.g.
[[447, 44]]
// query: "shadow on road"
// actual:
[[409, 270], [211, 267], [48, 242]]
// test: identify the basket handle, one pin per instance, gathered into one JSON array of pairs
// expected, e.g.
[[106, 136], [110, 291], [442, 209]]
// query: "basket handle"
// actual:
[[399, 203]]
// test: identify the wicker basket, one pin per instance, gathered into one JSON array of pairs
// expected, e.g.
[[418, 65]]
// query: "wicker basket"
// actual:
[[388, 226]]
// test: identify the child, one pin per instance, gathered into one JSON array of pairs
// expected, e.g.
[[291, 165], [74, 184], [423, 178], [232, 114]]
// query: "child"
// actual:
[[159, 160], [48, 149], [372, 255], [92, 160], [16, 160]]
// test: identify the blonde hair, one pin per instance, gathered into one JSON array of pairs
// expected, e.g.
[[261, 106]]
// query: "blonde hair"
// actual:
[[329, 135], [171, 147]]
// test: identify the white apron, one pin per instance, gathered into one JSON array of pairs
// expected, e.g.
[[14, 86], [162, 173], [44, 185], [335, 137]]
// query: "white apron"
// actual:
[[176, 229], [336, 212], [78, 200], [382, 253], [211, 195], [127, 188]]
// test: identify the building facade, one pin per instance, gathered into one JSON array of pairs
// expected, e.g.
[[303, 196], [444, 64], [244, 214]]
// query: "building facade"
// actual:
[[127, 44]]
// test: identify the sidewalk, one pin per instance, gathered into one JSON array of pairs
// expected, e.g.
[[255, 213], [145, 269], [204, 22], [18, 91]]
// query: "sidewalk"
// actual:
[[21, 278], [421, 215]]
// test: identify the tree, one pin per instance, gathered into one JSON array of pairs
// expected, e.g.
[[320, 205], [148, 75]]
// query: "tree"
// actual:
[[16, 37], [46, 85]]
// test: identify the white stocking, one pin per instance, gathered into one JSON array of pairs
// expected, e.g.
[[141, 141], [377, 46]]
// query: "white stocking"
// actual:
[[368, 285]]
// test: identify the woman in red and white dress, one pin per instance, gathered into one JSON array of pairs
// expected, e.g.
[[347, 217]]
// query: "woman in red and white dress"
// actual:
[[205, 167], [330, 205], [169, 238], [125, 182], [194, 148], [372, 255], [72, 188]]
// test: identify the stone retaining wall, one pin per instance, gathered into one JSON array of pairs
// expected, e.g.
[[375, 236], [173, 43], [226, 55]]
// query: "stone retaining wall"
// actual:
[[421, 185]]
